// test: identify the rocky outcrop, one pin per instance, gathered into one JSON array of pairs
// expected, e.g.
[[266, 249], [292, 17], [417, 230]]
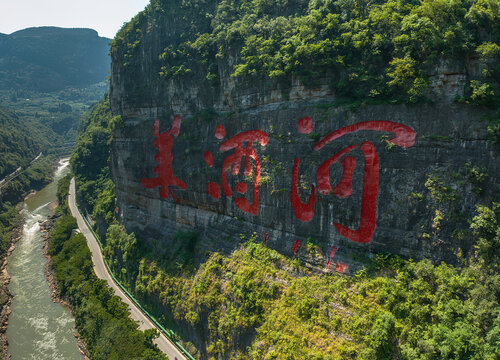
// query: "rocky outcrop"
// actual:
[[425, 191], [447, 138]]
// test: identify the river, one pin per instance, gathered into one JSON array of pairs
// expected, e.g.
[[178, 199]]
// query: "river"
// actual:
[[38, 328]]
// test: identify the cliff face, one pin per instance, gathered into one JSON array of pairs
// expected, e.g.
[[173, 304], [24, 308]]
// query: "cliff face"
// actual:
[[447, 137], [413, 203]]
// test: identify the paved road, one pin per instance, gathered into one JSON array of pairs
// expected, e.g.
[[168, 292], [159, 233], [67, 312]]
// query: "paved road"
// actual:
[[100, 270]]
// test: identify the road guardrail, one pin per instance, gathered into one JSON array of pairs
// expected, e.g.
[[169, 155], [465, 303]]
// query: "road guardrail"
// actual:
[[170, 334]]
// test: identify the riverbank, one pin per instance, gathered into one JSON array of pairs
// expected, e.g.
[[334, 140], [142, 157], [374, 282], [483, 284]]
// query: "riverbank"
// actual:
[[5, 293], [46, 229], [38, 327]]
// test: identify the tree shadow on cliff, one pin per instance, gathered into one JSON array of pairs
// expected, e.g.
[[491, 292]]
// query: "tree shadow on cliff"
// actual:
[[173, 255]]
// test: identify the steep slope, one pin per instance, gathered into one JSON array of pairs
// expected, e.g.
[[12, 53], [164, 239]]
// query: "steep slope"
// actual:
[[20, 141], [90, 163], [285, 69], [245, 264], [50, 59]]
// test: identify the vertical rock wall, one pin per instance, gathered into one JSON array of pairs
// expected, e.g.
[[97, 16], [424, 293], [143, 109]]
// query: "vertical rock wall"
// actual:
[[447, 138], [416, 202]]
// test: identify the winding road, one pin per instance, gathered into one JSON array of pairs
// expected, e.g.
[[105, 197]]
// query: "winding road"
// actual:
[[100, 270]]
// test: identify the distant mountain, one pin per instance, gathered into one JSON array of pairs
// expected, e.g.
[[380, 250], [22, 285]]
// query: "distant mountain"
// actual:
[[51, 58]]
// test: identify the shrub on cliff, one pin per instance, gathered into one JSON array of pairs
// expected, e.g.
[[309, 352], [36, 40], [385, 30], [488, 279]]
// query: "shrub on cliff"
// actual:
[[398, 309], [90, 162], [358, 44]]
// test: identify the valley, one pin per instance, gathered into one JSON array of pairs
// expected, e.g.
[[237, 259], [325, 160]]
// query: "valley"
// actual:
[[295, 179]]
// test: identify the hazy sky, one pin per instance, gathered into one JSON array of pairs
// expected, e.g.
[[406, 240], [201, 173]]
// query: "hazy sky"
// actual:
[[105, 16]]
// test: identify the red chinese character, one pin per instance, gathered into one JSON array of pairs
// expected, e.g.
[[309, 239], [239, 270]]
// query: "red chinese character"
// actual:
[[370, 190], [331, 254], [296, 245], [265, 236], [164, 143], [404, 137], [303, 212], [340, 267], [233, 162], [305, 125]]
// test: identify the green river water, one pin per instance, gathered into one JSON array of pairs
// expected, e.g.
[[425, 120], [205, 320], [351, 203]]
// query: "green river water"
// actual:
[[38, 328]]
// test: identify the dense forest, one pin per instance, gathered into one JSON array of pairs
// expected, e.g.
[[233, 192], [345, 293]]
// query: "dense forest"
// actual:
[[51, 59], [17, 147], [370, 50]]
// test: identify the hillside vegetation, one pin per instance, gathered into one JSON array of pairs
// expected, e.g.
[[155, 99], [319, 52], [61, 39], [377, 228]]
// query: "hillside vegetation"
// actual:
[[90, 162], [17, 147], [50, 59], [20, 142], [60, 111], [380, 50]]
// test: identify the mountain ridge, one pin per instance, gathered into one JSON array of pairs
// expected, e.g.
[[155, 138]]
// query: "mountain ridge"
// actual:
[[38, 29], [52, 58]]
